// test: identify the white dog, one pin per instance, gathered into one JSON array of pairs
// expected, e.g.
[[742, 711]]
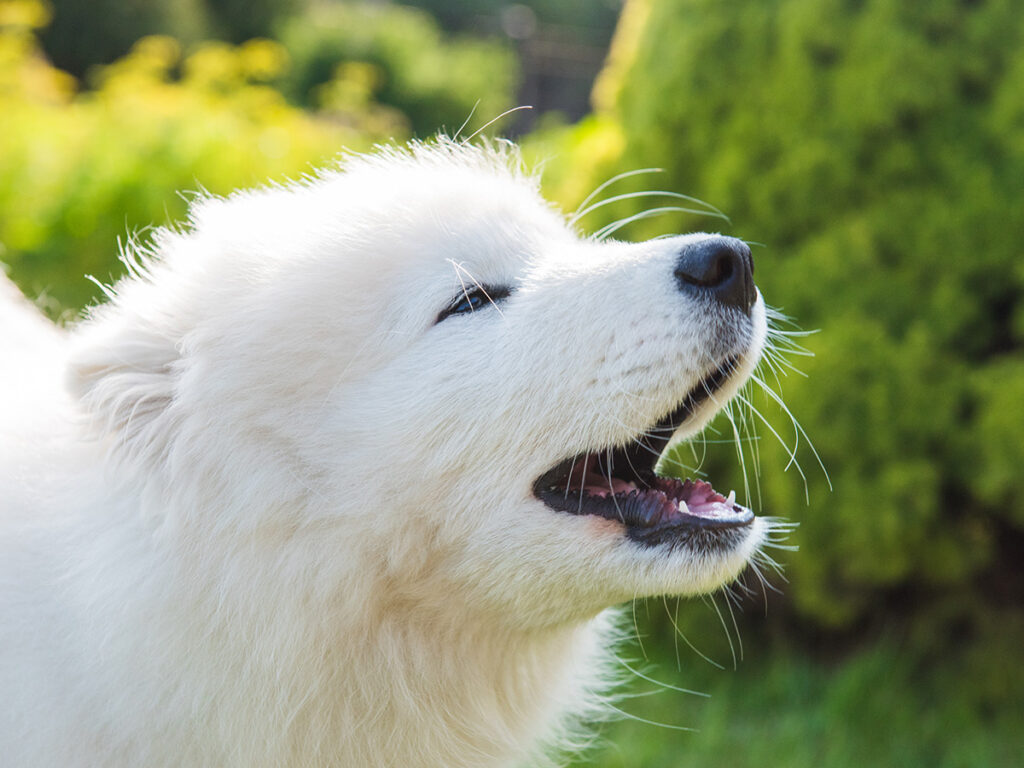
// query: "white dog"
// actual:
[[349, 473]]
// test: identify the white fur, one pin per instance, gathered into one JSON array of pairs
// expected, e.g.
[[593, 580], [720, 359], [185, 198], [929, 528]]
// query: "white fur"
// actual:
[[280, 518]]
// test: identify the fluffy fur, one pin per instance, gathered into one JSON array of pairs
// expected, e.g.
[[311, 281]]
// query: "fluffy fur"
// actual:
[[260, 510]]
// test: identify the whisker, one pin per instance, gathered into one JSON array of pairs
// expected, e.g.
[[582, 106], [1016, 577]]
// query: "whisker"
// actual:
[[732, 616], [739, 451], [667, 686], [579, 214], [675, 635], [636, 629], [602, 187], [791, 452], [679, 633], [492, 121], [645, 721], [579, 509], [568, 481], [611, 487], [710, 599], [609, 229], [459, 271], [466, 121], [796, 425]]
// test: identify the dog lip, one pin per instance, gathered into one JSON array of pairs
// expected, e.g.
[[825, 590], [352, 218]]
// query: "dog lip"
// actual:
[[649, 513], [653, 509], [695, 532]]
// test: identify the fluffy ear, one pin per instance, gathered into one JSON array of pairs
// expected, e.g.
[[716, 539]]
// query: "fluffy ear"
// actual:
[[125, 374]]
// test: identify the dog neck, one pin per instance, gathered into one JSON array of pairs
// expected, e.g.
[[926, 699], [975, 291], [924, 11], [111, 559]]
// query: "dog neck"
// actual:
[[295, 674]]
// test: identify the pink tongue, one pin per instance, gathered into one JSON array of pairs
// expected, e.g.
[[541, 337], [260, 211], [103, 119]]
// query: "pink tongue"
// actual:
[[702, 494], [694, 497], [585, 476], [608, 486], [705, 501]]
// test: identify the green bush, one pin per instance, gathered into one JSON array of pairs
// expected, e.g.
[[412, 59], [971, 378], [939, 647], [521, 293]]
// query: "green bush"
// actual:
[[240, 20], [591, 20], [405, 61], [84, 33], [80, 170], [890, 703], [877, 149]]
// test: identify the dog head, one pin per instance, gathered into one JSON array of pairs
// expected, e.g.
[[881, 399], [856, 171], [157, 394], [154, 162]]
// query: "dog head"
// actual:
[[417, 367]]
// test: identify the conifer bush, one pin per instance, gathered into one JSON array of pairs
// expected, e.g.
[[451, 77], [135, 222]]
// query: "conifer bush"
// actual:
[[876, 149]]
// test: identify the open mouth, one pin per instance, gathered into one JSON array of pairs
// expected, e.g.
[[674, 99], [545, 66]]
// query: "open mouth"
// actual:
[[620, 484]]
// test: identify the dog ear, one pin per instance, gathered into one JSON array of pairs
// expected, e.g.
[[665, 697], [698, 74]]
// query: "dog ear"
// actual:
[[125, 375]]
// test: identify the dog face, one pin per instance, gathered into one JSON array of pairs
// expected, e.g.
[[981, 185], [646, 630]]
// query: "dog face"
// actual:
[[418, 368]]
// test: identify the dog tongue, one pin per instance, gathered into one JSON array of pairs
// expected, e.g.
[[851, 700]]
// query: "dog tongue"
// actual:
[[697, 497], [585, 475], [596, 485], [689, 497]]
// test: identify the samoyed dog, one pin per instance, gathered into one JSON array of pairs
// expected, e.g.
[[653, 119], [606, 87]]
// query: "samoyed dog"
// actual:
[[349, 473]]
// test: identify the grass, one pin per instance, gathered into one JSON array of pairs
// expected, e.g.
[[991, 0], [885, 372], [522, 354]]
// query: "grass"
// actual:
[[880, 705]]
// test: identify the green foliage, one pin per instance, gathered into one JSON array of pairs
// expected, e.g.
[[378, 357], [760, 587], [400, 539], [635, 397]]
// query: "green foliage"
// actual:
[[81, 170], [240, 20], [405, 63], [84, 33], [591, 19], [885, 705], [877, 149]]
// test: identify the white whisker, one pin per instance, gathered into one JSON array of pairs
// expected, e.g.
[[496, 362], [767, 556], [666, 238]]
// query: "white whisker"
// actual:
[[492, 121], [644, 193], [602, 187], [610, 229]]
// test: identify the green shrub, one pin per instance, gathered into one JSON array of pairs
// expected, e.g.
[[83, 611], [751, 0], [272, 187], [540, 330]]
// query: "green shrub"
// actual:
[[240, 20], [81, 170], [84, 33], [877, 149], [406, 64], [591, 20]]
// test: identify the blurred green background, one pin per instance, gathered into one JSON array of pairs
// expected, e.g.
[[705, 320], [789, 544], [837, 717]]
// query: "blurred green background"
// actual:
[[874, 149]]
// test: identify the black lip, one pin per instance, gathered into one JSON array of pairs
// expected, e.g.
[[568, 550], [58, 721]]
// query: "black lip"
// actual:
[[635, 463]]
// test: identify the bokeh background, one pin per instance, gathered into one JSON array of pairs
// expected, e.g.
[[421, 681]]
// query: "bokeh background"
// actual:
[[874, 149]]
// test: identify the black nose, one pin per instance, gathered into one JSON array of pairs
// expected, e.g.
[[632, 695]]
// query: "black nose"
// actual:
[[718, 267]]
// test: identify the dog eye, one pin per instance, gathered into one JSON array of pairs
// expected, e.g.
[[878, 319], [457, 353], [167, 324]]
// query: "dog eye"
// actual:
[[470, 301]]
